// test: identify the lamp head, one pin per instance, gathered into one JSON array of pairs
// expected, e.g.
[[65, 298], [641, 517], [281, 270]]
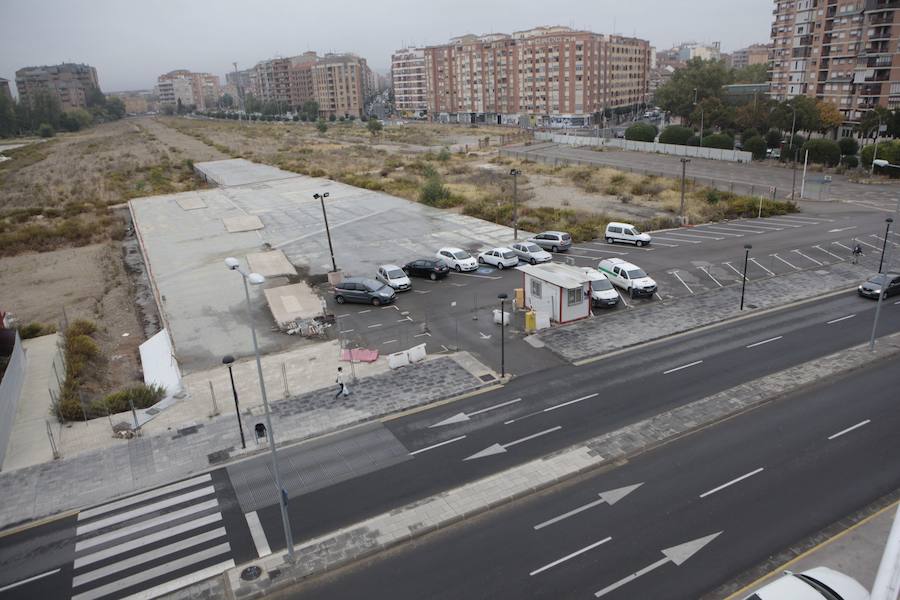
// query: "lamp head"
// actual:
[[748, 246], [232, 263], [227, 359], [256, 279], [316, 196], [502, 296], [325, 195]]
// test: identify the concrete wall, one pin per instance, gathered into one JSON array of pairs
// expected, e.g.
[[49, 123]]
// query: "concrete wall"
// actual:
[[10, 390], [689, 151]]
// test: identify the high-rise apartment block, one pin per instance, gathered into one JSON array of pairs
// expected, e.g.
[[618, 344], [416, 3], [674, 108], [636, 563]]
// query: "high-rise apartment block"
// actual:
[[838, 51], [200, 90], [4, 88], [69, 82], [691, 50], [554, 75], [757, 54], [409, 82]]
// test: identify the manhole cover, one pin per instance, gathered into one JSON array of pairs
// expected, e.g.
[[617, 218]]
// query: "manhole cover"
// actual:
[[250, 573], [487, 377]]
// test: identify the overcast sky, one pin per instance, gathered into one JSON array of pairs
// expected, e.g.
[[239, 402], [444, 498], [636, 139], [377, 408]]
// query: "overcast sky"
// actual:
[[131, 42]]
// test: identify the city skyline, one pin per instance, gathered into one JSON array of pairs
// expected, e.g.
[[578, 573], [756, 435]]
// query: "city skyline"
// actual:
[[207, 37]]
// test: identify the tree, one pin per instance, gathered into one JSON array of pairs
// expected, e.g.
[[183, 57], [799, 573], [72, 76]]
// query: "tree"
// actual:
[[226, 101], [888, 150], [168, 109], [94, 97], [310, 108], [675, 134], [719, 140], [9, 123], [754, 115], [179, 107], [42, 107], [868, 124], [773, 138], [74, 120], [849, 146], [822, 151], [829, 116], [433, 191], [707, 77], [374, 127], [332, 118], [641, 132], [751, 74], [115, 108], [46, 130], [756, 145], [321, 126], [807, 113]]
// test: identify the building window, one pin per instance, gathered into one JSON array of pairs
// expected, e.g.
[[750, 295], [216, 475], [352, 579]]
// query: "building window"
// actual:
[[576, 296], [535, 288]]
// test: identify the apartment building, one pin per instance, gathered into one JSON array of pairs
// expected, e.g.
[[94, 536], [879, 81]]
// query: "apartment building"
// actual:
[[70, 83], [4, 88], [175, 91], [691, 50], [408, 82], [547, 75], [201, 90], [838, 51], [756, 54]]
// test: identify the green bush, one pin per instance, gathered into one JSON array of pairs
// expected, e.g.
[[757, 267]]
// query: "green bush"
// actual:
[[33, 330], [849, 146], [773, 138], [143, 396], [641, 132], [756, 146], [851, 162], [748, 133], [822, 152], [676, 134], [694, 140], [719, 140], [790, 150], [433, 191], [443, 155], [46, 130]]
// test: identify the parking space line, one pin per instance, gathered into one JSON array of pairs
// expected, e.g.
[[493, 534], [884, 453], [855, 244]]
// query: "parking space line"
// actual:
[[710, 276], [582, 256], [842, 246], [785, 262], [389, 342], [755, 228], [868, 244], [347, 330], [741, 275], [812, 221], [394, 306], [881, 239], [807, 257], [362, 312], [776, 225], [720, 232], [656, 237], [375, 325], [404, 319], [341, 316], [455, 274], [421, 334], [655, 243], [606, 245], [755, 262], [583, 249], [422, 291], [454, 284], [833, 321], [698, 237], [696, 362], [827, 252], [678, 277]]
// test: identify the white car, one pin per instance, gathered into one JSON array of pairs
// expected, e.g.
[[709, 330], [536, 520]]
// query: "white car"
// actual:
[[627, 276], [499, 257], [457, 258], [393, 276], [820, 583], [531, 252], [625, 232], [602, 291]]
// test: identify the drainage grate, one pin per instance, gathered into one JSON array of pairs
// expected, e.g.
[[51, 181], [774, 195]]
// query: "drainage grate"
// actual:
[[487, 377]]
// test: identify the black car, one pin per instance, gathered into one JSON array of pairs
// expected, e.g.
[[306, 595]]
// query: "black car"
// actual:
[[364, 290], [873, 286], [431, 268]]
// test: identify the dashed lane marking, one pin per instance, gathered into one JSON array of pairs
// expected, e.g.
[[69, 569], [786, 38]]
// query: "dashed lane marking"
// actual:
[[695, 363], [849, 429], [833, 321]]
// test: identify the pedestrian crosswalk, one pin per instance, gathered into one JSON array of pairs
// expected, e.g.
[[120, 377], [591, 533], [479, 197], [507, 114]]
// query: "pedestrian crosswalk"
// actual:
[[152, 543]]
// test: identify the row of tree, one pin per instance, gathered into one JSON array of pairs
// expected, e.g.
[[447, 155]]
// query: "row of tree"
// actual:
[[43, 113]]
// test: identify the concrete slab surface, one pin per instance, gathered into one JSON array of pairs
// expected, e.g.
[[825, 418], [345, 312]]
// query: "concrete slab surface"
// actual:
[[239, 171], [270, 264], [191, 202], [242, 223], [293, 302]]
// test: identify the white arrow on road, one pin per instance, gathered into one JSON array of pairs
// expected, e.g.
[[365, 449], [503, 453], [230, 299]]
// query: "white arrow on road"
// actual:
[[676, 554], [484, 336], [841, 229], [610, 497], [462, 417], [501, 448]]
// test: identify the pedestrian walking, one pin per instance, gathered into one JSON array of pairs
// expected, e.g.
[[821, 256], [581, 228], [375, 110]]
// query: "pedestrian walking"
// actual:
[[343, 390], [857, 252]]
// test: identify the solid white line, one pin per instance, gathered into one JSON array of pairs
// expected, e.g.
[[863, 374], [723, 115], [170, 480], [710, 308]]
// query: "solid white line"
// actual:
[[93, 512], [258, 534], [710, 276], [807, 257], [532, 436], [781, 224], [720, 232], [131, 544], [347, 330], [182, 582], [607, 246], [753, 260], [573, 555], [874, 247], [656, 237], [811, 221], [580, 256], [438, 445], [741, 275], [696, 362], [827, 252], [698, 237], [841, 319], [455, 274], [572, 512], [655, 243], [849, 429], [897, 302], [362, 312], [375, 325], [29, 580], [764, 342], [555, 406], [881, 239], [341, 316], [389, 342], [152, 573], [583, 249], [690, 291], [785, 262], [421, 334], [732, 482], [143, 510], [843, 246], [755, 229]]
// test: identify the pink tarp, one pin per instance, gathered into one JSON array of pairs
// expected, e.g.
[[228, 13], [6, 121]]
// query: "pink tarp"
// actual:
[[360, 355]]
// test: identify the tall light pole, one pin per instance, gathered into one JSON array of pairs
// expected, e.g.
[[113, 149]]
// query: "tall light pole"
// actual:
[[701, 116], [875, 153], [321, 198], [257, 279], [747, 248], [227, 360], [883, 289], [791, 144], [515, 175], [502, 296], [887, 232], [684, 162]]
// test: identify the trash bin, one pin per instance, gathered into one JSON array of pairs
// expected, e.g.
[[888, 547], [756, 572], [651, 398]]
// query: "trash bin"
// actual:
[[260, 430], [530, 321]]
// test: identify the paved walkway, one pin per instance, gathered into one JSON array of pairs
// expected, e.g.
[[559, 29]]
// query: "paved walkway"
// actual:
[[92, 477]]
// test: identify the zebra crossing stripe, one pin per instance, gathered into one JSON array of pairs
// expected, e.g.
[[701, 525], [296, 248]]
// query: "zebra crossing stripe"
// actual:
[[93, 512], [143, 510], [176, 584]]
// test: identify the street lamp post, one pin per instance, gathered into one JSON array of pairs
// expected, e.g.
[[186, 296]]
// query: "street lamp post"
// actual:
[[701, 116], [227, 360], [875, 153], [791, 144], [515, 175], [747, 248], [257, 279], [883, 289], [887, 232], [321, 198], [502, 297], [684, 162]]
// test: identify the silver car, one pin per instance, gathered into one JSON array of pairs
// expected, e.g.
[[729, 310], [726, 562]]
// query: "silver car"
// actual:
[[557, 241], [531, 252]]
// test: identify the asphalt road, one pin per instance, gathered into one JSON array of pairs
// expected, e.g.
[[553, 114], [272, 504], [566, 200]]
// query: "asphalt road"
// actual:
[[758, 482]]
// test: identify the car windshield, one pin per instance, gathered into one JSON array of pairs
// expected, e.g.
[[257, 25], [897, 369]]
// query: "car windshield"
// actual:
[[636, 274], [439, 264], [877, 279], [461, 255], [396, 274], [531, 248], [635, 231], [601, 285], [566, 237], [508, 254]]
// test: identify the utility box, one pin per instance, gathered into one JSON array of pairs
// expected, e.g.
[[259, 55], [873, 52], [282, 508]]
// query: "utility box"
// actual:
[[520, 298]]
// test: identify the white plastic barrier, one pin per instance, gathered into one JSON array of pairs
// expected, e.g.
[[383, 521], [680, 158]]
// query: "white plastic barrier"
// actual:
[[405, 357], [159, 364]]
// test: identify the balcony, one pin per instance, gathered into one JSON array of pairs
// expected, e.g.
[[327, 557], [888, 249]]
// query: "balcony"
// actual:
[[882, 4], [881, 18]]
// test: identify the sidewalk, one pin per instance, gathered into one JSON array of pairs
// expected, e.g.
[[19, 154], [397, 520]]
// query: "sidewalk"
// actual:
[[130, 465]]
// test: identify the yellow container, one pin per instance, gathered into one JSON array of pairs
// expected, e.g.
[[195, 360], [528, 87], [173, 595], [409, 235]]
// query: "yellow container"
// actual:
[[530, 321]]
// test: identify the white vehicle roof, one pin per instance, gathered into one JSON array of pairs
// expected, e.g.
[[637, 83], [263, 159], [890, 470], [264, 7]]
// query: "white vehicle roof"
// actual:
[[790, 587], [499, 249], [451, 249], [618, 224], [389, 267], [617, 262], [593, 274]]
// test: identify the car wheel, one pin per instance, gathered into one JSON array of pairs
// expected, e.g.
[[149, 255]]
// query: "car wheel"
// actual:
[[533, 261], [609, 240], [555, 248], [376, 302], [339, 299], [458, 269], [500, 266], [432, 276], [639, 243], [480, 260]]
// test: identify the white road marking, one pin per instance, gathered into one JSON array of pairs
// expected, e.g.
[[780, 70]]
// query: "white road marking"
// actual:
[[404, 319], [454, 284], [143, 510], [462, 417], [897, 302], [874, 247], [501, 448], [476, 276], [696, 362], [754, 261], [690, 291], [784, 261], [849, 429], [807, 257], [579, 256], [29, 580], [881, 239], [843, 246], [438, 445], [342, 316], [741, 275], [839, 229], [347, 330], [778, 225], [764, 342], [551, 408], [531, 437], [811, 221], [764, 228], [609, 497], [827, 252], [375, 325], [710, 276], [422, 291], [258, 534], [657, 237], [362, 312], [746, 228], [569, 556], [421, 334], [93, 512], [694, 236], [605, 245], [655, 243], [583, 249], [841, 319], [732, 482], [721, 232], [182, 582], [389, 342]]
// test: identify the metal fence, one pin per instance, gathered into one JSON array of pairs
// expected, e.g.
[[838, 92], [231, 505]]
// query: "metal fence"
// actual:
[[10, 391], [674, 149]]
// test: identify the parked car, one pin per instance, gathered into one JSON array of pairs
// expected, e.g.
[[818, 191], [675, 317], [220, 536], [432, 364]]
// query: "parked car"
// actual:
[[874, 284], [625, 232], [393, 276], [555, 241], [819, 583], [603, 294], [627, 276], [531, 252], [432, 268], [499, 257], [457, 258], [363, 290]]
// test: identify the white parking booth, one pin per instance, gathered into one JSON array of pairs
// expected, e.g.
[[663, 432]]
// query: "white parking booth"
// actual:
[[560, 290]]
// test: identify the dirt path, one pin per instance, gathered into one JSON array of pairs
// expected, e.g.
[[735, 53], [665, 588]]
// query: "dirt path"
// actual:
[[188, 146], [549, 191]]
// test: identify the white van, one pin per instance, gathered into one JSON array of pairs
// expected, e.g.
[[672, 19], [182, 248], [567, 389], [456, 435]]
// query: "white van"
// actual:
[[625, 232], [627, 276], [603, 294]]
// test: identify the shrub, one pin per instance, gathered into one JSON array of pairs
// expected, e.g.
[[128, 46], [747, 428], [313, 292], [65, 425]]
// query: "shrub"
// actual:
[[321, 126], [694, 140], [33, 330], [756, 146], [773, 138], [332, 118], [443, 155], [748, 133], [46, 130], [849, 146], [676, 134], [142, 396], [719, 140], [792, 149], [823, 152], [851, 162], [641, 132], [433, 191]]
